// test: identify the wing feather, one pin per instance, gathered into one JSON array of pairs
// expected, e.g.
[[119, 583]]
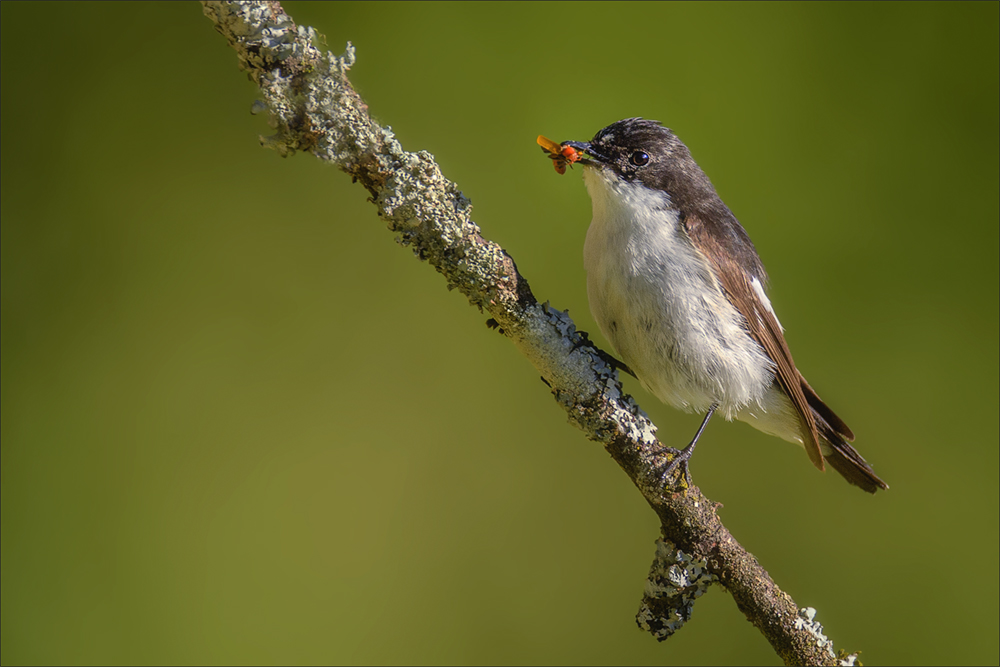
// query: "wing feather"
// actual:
[[765, 329]]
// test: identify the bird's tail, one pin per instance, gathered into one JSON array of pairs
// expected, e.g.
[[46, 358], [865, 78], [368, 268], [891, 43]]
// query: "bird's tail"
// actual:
[[835, 437], [846, 460]]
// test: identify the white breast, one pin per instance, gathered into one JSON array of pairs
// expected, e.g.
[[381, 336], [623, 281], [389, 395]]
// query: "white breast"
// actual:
[[657, 300]]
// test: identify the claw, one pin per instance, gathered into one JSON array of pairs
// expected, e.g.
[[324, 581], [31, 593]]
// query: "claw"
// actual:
[[681, 457]]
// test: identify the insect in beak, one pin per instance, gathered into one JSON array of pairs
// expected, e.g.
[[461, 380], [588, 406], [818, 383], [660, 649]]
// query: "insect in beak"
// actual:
[[559, 154]]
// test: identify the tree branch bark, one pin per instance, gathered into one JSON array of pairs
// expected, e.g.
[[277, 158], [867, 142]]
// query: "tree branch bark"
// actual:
[[314, 108]]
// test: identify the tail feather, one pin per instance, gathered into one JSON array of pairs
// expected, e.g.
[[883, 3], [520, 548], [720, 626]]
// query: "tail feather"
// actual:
[[817, 404], [846, 460], [836, 436]]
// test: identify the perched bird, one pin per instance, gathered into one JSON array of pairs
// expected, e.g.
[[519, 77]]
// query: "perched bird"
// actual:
[[676, 285]]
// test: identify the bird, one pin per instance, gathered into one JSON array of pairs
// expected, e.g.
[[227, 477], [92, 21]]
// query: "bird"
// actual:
[[676, 285]]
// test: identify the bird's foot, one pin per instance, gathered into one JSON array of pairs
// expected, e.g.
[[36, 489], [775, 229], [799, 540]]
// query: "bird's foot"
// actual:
[[678, 458]]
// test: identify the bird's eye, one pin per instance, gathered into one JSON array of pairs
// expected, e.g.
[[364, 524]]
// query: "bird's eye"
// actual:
[[638, 158]]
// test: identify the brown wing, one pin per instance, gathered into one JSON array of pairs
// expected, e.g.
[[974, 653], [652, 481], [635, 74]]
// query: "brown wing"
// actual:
[[764, 327]]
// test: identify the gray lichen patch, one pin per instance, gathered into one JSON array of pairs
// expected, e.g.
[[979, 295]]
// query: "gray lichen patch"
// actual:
[[675, 581], [807, 621]]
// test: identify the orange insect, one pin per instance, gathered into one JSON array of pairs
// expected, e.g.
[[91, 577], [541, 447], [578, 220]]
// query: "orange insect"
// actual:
[[559, 154]]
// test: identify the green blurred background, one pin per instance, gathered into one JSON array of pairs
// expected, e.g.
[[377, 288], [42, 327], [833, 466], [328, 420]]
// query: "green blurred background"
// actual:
[[240, 424]]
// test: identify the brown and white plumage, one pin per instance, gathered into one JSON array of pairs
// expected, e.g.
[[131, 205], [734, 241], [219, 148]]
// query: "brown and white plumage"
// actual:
[[677, 286]]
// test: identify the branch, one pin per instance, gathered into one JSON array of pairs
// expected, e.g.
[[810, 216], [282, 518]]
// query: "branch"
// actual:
[[314, 108]]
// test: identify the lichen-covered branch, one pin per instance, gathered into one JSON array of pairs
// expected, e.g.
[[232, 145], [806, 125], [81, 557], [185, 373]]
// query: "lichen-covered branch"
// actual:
[[313, 108]]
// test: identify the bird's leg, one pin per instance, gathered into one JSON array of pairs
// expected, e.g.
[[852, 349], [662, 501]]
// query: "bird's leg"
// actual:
[[682, 457]]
